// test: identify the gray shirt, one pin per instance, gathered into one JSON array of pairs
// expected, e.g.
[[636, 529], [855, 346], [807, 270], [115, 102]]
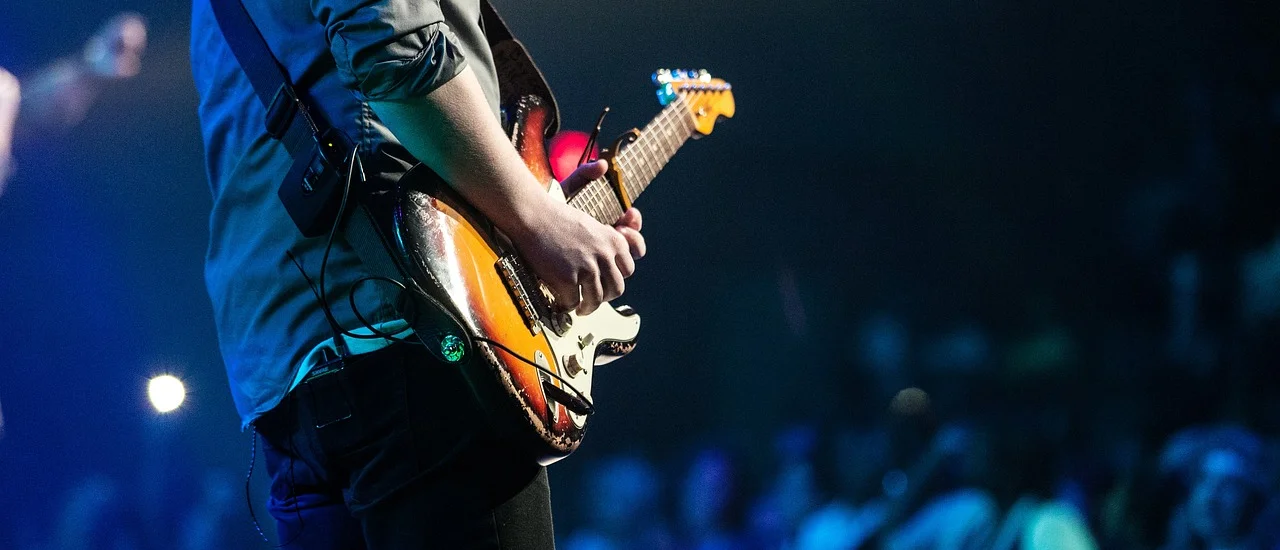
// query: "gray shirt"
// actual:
[[345, 53]]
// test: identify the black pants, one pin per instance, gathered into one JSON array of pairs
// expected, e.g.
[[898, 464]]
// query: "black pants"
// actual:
[[392, 452]]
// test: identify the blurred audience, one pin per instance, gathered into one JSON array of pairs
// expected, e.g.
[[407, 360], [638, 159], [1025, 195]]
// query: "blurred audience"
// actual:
[[1228, 501], [709, 503], [623, 508]]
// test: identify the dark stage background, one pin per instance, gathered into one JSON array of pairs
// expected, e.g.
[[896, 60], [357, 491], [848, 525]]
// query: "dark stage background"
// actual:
[[1057, 221]]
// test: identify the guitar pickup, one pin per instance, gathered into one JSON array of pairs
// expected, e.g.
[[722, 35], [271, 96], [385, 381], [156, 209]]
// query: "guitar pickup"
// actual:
[[518, 283]]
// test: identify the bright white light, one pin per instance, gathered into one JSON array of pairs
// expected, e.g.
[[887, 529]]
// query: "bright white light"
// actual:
[[166, 393]]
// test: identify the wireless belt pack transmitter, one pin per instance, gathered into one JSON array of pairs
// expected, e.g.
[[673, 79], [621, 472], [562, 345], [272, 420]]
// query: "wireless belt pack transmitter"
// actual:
[[312, 192]]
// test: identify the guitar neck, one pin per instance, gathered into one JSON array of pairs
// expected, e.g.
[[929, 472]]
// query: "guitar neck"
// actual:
[[638, 163]]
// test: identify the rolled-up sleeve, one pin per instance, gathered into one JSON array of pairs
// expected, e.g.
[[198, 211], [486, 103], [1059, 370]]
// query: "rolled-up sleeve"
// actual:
[[389, 50]]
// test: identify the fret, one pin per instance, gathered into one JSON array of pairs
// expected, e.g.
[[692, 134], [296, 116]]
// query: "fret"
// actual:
[[592, 207], [672, 121], [609, 207], [656, 160], [650, 157], [666, 137], [665, 132], [632, 186], [612, 209], [647, 160], [634, 171], [598, 203]]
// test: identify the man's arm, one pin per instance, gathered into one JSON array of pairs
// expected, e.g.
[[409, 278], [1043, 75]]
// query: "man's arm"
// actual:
[[403, 59], [452, 130]]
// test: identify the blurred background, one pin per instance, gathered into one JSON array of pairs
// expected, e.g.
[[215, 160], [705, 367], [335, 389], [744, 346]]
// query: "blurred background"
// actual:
[[984, 274]]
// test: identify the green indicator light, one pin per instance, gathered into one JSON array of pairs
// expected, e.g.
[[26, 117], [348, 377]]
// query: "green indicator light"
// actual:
[[452, 348]]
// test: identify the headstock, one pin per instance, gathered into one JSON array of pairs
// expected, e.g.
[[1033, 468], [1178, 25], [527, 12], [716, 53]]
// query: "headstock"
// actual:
[[706, 98]]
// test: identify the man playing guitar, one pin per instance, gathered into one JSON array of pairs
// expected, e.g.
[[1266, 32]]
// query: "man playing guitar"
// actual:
[[388, 449]]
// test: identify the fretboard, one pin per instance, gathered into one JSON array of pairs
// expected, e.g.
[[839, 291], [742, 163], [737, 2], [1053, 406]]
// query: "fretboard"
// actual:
[[639, 162]]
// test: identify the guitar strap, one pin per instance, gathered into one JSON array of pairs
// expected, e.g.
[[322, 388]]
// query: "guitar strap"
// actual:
[[293, 118]]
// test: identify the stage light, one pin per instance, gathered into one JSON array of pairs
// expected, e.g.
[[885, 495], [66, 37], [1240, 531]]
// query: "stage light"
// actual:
[[166, 393], [566, 148]]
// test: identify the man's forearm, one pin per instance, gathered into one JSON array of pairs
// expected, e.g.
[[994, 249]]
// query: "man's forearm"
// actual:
[[453, 131], [59, 95]]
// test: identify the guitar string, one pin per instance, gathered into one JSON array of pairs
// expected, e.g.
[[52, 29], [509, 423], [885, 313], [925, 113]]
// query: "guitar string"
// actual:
[[657, 144], [642, 147], [661, 145]]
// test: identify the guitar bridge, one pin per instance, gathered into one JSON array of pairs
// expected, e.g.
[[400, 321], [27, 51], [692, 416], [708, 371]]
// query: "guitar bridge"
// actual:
[[533, 307]]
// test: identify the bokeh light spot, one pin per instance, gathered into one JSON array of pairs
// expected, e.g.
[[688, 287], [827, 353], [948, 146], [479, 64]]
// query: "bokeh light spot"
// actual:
[[910, 402], [166, 393]]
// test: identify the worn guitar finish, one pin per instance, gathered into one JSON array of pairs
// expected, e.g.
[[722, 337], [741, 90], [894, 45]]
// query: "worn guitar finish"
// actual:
[[453, 250]]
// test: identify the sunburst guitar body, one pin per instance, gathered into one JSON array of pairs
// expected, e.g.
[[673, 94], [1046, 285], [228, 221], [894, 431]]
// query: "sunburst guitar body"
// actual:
[[532, 363]]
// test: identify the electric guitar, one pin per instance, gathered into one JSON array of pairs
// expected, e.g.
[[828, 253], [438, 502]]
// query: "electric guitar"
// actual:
[[532, 363]]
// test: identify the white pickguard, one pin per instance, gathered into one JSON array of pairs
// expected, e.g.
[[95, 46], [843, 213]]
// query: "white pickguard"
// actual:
[[578, 344]]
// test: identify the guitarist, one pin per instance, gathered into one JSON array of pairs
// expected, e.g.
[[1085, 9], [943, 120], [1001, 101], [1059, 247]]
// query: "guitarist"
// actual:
[[390, 450]]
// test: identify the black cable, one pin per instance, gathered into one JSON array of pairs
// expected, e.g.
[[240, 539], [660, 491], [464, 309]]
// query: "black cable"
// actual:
[[333, 323], [324, 260], [248, 498], [377, 333]]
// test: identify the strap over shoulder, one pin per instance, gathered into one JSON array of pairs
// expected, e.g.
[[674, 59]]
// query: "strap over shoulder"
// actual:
[[518, 75]]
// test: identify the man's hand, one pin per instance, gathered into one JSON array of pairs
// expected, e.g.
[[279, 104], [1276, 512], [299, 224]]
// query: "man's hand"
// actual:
[[115, 51], [59, 95], [10, 98], [582, 261]]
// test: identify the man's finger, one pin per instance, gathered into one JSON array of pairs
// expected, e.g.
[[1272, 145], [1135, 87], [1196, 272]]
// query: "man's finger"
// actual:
[[567, 297], [635, 242], [592, 293], [631, 218], [612, 280], [626, 264]]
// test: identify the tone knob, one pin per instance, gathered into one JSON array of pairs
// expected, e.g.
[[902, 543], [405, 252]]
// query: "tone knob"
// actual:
[[571, 366]]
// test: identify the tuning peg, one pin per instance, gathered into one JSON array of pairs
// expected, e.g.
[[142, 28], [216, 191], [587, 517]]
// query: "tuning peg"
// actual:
[[704, 76], [666, 93], [661, 76]]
